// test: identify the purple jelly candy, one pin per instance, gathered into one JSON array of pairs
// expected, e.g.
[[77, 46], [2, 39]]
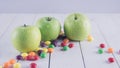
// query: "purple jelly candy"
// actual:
[[42, 44], [39, 52], [54, 42], [19, 57]]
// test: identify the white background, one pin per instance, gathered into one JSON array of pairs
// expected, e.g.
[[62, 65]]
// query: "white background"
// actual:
[[59, 6]]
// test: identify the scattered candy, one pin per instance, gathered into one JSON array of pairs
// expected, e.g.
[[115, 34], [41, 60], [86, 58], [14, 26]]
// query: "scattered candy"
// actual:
[[50, 50], [36, 57], [65, 48], [63, 44], [110, 50], [66, 40], [119, 52], [71, 45], [47, 42], [111, 60], [54, 42], [17, 65], [102, 45], [32, 54], [42, 44], [100, 51], [33, 65], [51, 46], [43, 55], [90, 38], [39, 52], [19, 57], [45, 50], [12, 61], [6, 65], [24, 55]]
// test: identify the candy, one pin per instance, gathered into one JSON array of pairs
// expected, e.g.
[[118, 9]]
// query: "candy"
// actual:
[[90, 38], [39, 52], [24, 55], [19, 57], [36, 57], [66, 40], [111, 60], [102, 45], [100, 51], [50, 50], [110, 50], [43, 55], [45, 50], [32, 54], [65, 48], [1, 67], [63, 44], [33, 65], [119, 52], [17, 65], [47, 42], [12, 61], [42, 44], [6, 65], [51, 46], [71, 45], [54, 42]]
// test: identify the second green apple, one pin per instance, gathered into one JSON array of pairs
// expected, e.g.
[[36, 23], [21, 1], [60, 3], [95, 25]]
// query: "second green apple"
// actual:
[[49, 28]]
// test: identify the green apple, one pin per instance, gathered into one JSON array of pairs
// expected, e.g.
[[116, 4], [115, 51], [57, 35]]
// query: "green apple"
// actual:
[[26, 38], [77, 27], [49, 27]]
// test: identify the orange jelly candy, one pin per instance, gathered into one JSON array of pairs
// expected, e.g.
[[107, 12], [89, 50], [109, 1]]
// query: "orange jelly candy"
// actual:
[[32, 54], [12, 61], [66, 40], [50, 50], [110, 50], [6, 65]]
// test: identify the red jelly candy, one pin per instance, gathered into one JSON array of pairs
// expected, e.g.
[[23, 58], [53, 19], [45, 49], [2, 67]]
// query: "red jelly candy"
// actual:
[[102, 45], [33, 65], [111, 60], [36, 57], [63, 44], [71, 45]]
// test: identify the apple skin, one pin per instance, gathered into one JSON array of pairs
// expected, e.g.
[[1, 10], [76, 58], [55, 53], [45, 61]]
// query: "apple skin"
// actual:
[[49, 27], [26, 38], [77, 27]]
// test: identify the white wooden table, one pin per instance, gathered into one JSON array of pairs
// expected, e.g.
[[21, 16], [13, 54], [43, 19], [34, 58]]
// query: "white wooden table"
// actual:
[[105, 29]]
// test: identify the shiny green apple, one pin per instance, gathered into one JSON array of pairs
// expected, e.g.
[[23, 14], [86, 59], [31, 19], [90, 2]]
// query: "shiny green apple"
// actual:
[[26, 38], [77, 27], [49, 27]]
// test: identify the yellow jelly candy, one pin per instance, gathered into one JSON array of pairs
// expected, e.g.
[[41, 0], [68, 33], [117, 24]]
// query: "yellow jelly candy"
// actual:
[[45, 50], [90, 38], [0, 66], [24, 55], [17, 65], [47, 42]]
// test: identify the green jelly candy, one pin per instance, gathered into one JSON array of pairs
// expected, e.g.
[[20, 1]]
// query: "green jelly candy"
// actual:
[[100, 51], [43, 55], [51, 46], [65, 48]]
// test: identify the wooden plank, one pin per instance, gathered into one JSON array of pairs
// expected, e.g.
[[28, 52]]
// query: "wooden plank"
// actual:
[[5, 21], [7, 50], [110, 31], [90, 49]]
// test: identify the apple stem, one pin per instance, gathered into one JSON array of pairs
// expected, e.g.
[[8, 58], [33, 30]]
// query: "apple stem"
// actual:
[[25, 25], [49, 18], [75, 17]]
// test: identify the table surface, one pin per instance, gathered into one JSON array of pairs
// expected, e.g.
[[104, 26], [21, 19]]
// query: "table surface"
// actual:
[[105, 29]]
